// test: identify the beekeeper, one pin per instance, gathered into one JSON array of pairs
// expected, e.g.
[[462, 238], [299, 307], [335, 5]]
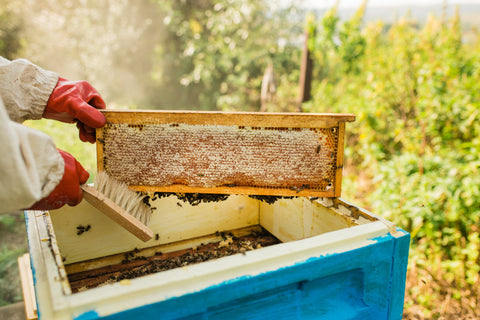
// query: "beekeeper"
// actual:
[[34, 174]]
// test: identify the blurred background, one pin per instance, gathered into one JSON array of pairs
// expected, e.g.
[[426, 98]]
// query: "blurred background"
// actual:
[[409, 71]]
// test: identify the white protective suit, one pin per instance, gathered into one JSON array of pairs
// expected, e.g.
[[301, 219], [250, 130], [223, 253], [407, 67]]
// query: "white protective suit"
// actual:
[[30, 165]]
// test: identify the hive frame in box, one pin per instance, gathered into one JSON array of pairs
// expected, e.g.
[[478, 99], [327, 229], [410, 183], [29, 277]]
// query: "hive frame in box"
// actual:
[[353, 272]]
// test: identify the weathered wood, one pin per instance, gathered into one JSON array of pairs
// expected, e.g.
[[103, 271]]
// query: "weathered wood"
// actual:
[[116, 213]]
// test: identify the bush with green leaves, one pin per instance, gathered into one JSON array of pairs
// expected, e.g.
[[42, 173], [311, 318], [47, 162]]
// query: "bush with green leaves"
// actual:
[[416, 93]]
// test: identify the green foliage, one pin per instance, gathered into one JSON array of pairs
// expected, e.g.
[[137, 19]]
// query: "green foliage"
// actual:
[[8, 222], [66, 138], [10, 29], [13, 245], [10, 290], [221, 48], [416, 94]]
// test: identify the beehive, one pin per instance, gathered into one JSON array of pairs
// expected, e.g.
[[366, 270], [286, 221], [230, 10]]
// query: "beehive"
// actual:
[[333, 260], [326, 258], [225, 153]]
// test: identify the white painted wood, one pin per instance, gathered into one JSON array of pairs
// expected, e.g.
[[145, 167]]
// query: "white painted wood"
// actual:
[[298, 218], [49, 280], [181, 281], [173, 220], [310, 228]]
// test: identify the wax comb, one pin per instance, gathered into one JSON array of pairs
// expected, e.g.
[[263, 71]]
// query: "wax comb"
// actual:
[[272, 154]]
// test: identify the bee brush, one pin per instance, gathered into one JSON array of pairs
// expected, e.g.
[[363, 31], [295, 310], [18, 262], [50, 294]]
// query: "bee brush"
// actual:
[[122, 205]]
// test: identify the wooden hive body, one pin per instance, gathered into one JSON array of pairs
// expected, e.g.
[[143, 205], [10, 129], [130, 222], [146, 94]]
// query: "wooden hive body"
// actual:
[[334, 261]]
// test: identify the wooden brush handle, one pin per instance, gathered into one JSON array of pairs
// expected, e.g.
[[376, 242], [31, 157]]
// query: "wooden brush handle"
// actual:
[[116, 213]]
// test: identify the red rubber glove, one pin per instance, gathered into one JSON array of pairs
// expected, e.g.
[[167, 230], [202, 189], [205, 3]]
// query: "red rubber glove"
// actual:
[[68, 190], [76, 101]]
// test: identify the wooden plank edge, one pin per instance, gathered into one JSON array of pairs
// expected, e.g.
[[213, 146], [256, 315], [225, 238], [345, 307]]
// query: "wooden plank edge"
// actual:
[[340, 153], [28, 290], [281, 192], [100, 146], [255, 119]]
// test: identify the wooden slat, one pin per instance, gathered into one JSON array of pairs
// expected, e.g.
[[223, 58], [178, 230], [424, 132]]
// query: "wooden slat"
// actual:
[[281, 192], [339, 169], [28, 290], [255, 119]]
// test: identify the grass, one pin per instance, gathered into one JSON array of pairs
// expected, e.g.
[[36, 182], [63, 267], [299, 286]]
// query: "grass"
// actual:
[[14, 244], [13, 237]]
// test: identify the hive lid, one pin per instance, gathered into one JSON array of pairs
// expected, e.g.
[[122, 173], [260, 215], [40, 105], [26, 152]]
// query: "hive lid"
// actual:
[[278, 154]]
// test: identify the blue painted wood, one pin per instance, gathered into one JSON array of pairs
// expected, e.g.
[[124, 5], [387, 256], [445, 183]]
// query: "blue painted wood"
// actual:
[[399, 275], [365, 283]]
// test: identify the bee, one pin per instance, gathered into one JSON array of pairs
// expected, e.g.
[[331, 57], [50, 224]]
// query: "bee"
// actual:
[[81, 229]]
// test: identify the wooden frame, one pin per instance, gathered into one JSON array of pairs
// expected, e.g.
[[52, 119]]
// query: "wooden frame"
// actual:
[[324, 180], [28, 289]]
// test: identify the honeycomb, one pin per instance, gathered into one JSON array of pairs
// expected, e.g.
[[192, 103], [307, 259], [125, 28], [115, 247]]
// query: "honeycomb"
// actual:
[[208, 156]]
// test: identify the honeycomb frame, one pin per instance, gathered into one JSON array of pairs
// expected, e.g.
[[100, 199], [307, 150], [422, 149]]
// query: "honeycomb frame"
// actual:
[[278, 154]]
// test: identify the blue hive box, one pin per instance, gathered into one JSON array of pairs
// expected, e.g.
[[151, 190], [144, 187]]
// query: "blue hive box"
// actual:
[[334, 260]]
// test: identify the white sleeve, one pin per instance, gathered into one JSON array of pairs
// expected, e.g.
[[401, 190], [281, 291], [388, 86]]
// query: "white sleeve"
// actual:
[[25, 88], [30, 165]]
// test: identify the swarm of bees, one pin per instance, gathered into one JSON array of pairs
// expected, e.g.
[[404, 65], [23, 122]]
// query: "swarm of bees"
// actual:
[[81, 229]]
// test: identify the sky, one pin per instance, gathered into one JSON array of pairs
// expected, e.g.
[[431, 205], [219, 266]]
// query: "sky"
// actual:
[[380, 3]]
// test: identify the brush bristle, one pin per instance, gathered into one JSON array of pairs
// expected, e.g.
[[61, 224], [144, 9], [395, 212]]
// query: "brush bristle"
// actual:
[[127, 199]]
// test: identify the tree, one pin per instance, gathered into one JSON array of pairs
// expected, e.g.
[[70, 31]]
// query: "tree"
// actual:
[[10, 28], [219, 50]]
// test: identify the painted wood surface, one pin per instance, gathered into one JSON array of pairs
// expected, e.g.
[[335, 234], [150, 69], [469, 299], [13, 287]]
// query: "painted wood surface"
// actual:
[[299, 218], [355, 272], [355, 284], [173, 220]]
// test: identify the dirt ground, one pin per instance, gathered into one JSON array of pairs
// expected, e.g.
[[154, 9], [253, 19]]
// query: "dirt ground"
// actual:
[[446, 303]]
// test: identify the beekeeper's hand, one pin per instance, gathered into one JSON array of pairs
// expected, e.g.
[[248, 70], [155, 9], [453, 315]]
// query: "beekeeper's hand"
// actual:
[[76, 101], [68, 190]]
